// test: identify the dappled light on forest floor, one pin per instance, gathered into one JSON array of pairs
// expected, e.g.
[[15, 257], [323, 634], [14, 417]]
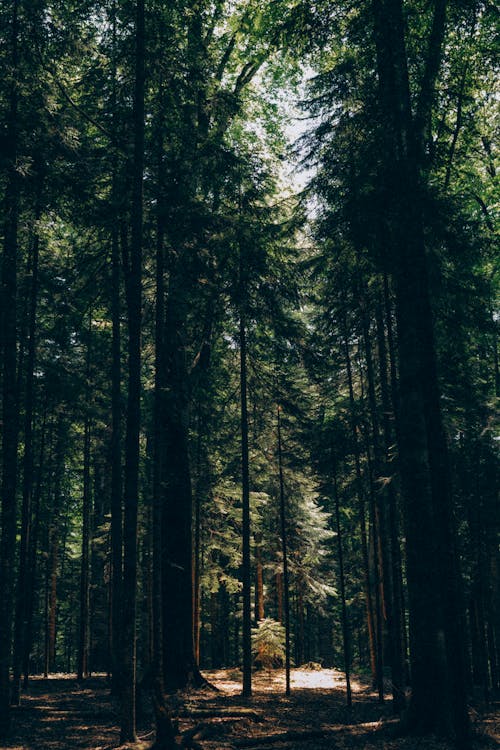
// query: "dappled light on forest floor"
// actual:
[[62, 714], [230, 680]]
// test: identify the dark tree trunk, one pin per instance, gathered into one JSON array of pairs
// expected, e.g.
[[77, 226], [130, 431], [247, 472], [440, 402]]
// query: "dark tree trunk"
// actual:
[[8, 346], [380, 561], [131, 484], [24, 573], [393, 573], [116, 412], [245, 529], [177, 598], [31, 581], [346, 636], [83, 633], [370, 617], [53, 551], [197, 575], [165, 734], [284, 553], [438, 701], [116, 469]]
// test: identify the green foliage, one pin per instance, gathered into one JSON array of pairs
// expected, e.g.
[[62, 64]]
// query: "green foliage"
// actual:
[[268, 644]]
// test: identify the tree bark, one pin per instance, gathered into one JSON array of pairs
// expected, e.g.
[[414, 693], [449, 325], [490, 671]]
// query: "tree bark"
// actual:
[[284, 553], [245, 482], [83, 633], [28, 477], [438, 701], [8, 346], [370, 618], [116, 412], [345, 622], [132, 448], [393, 574]]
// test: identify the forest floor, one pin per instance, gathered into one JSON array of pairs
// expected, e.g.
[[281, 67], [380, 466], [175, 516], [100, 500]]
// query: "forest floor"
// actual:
[[60, 714]]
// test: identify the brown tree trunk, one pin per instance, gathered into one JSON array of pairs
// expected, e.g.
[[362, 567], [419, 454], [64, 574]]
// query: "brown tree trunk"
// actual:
[[284, 554]]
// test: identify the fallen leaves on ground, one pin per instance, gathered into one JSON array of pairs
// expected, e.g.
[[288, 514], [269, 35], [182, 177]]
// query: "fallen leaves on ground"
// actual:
[[61, 714]]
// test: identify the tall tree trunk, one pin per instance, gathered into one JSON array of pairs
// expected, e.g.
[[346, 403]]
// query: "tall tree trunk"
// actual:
[[116, 411], [346, 637], [116, 470], [165, 734], [378, 504], [8, 346], [131, 485], [393, 574], [245, 530], [83, 633], [438, 701], [180, 667], [53, 548], [197, 576], [28, 471], [31, 581], [284, 553], [370, 618]]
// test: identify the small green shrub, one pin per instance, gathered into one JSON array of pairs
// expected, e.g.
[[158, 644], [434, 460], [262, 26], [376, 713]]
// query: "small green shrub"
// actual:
[[268, 644]]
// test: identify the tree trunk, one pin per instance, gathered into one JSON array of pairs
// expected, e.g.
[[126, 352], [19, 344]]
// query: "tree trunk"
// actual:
[[132, 448], [165, 734], [24, 573], [10, 407], [284, 553], [345, 622], [53, 549], [83, 633], [245, 482], [116, 412], [180, 667], [438, 701], [393, 574], [370, 618], [31, 583]]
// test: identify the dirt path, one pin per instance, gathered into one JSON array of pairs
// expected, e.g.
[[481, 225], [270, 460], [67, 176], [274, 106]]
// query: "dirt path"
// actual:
[[60, 714]]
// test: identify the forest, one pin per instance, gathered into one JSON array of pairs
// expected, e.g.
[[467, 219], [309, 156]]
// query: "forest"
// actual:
[[249, 374]]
